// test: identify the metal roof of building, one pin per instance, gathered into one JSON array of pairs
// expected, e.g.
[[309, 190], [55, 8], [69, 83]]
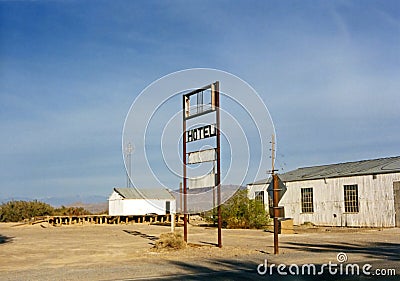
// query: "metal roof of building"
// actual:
[[348, 169], [147, 193]]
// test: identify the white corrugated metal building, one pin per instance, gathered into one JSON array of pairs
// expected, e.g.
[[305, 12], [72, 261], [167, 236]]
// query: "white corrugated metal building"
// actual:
[[132, 201], [360, 194]]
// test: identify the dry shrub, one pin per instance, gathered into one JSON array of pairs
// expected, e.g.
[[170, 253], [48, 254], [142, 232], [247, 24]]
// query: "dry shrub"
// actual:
[[170, 241], [308, 224]]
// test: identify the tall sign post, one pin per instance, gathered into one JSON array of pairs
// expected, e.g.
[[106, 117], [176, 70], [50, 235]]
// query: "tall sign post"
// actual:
[[275, 198], [276, 190], [195, 104]]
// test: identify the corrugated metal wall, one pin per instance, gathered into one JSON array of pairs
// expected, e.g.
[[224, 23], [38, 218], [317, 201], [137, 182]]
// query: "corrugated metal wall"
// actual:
[[375, 195]]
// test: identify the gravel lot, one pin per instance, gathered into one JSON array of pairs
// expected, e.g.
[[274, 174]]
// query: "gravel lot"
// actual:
[[124, 252]]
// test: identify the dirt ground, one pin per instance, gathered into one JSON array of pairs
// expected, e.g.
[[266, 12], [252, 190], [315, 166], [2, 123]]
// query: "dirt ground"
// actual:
[[124, 252]]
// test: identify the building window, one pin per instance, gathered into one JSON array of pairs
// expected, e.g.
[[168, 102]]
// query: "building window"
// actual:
[[351, 198], [307, 205], [259, 196]]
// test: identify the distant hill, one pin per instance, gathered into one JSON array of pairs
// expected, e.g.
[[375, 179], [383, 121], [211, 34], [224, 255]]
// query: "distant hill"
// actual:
[[200, 199], [66, 200], [94, 208], [96, 203], [205, 189]]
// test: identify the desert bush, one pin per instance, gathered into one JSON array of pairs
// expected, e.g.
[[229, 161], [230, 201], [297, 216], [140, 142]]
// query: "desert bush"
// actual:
[[170, 241], [241, 212], [71, 211], [14, 211]]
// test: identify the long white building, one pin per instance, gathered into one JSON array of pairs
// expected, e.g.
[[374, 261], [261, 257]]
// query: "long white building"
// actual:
[[132, 201], [362, 194]]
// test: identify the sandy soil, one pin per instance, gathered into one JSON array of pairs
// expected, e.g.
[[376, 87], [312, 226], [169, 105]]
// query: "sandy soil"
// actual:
[[124, 252]]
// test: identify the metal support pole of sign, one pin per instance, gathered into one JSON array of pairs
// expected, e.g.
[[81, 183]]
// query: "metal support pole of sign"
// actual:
[[185, 216], [218, 178]]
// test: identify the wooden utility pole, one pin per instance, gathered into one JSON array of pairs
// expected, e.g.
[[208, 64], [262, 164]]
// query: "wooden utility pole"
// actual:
[[275, 199], [273, 154], [276, 222]]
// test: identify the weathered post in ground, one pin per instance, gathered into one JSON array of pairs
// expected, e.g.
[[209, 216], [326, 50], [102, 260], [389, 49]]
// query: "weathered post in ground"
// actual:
[[172, 222], [276, 222]]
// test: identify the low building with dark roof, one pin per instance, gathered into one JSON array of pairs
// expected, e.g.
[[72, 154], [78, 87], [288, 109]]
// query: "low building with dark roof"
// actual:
[[133, 201], [359, 194]]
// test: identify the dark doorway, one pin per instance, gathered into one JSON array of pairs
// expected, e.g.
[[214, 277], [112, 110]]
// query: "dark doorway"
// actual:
[[396, 193], [167, 207]]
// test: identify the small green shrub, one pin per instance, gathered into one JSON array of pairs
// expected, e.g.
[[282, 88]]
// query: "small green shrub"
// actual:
[[241, 212]]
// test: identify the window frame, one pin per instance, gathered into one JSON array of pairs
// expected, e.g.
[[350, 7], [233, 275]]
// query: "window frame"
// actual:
[[258, 195], [351, 200], [307, 200]]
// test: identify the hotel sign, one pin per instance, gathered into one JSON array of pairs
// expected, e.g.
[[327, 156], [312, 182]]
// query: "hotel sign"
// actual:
[[200, 133]]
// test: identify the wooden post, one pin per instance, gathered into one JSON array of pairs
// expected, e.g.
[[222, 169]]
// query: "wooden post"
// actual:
[[276, 222], [275, 198], [172, 222]]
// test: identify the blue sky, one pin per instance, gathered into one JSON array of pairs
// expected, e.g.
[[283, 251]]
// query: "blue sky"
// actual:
[[69, 70]]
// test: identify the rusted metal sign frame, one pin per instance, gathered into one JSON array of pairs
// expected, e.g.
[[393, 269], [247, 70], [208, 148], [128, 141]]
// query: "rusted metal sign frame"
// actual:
[[186, 116]]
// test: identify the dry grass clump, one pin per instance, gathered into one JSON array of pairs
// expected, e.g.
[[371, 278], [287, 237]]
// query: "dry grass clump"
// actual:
[[170, 241], [308, 224]]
